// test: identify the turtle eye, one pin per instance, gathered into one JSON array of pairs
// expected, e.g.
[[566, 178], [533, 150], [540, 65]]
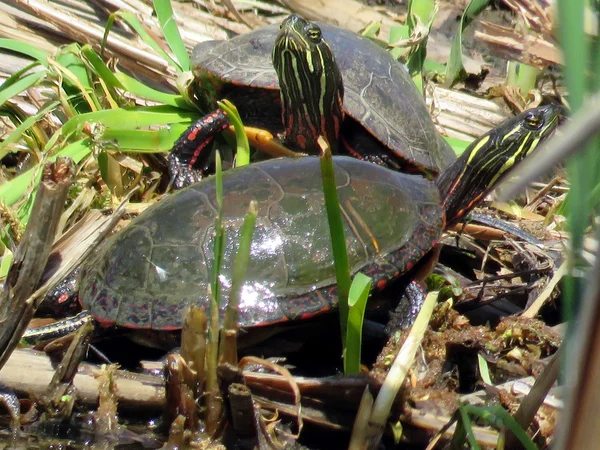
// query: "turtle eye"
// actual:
[[533, 121], [313, 32]]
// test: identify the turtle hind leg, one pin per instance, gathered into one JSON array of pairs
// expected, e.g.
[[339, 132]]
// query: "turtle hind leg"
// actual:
[[189, 158], [407, 310]]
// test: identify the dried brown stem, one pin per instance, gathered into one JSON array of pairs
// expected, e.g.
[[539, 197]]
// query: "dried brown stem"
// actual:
[[193, 345], [242, 411], [62, 381], [16, 310], [180, 397]]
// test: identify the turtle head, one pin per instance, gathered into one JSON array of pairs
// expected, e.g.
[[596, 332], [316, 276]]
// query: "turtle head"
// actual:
[[311, 85], [487, 160]]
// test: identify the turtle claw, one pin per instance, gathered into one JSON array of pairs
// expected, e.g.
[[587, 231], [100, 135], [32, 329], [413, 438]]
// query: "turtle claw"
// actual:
[[182, 174]]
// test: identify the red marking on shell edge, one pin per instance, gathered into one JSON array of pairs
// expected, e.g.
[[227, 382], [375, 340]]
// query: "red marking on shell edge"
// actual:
[[63, 298], [104, 323], [409, 265], [351, 149], [266, 324], [169, 328], [313, 314], [336, 126], [381, 284]]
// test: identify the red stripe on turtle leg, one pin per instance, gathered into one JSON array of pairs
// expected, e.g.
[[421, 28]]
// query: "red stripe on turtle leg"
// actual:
[[188, 157]]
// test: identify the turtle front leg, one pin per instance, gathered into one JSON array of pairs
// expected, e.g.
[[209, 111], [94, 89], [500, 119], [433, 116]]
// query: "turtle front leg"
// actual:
[[189, 157]]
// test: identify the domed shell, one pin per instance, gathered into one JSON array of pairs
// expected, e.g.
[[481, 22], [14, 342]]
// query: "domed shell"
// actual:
[[147, 275]]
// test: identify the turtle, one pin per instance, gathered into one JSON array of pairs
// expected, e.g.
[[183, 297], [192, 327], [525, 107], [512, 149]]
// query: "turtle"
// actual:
[[147, 275], [368, 105]]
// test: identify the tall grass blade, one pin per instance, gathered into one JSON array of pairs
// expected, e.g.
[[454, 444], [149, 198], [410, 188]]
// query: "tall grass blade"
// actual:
[[240, 265], [228, 345], [522, 76], [583, 168], [164, 12], [397, 374], [134, 23], [357, 303], [338, 242]]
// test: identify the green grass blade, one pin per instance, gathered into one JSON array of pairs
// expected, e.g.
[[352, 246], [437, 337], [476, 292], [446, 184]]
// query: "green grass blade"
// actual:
[[464, 431], [421, 14], [70, 61], [25, 49], [371, 31], [218, 250], [240, 267], [14, 86], [242, 156], [575, 51], [522, 76], [458, 145], [484, 369], [142, 141], [357, 303], [336, 228], [455, 69], [398, 371], [123, 81], [123, 118], [13, 190], [111, 173], [77, 85], [497, 416], [219, 243], [398, 33], [164, 12], [212, 349], [582, 169], [134, 23], [18, 132], [5, 261]]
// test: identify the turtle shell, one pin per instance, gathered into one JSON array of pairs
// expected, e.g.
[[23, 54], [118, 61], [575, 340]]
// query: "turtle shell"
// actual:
[[148, 275], [378, 91]]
